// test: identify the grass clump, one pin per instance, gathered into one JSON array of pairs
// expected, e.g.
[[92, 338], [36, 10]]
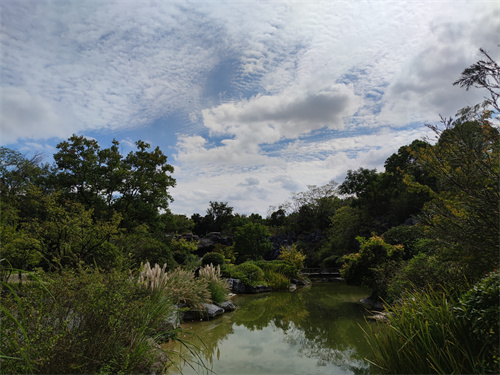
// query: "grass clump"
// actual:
[[276, 280], [424, 335], [82, 321], [218, 287]]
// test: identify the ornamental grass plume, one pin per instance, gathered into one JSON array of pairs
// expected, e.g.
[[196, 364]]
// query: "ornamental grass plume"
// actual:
[[210, 273], [155, 278]]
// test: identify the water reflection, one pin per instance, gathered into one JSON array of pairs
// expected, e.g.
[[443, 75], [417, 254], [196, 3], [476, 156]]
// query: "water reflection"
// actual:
[[311, 331]]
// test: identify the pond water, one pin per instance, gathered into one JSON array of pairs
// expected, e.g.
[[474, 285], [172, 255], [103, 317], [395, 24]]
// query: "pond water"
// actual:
[[313, 330]]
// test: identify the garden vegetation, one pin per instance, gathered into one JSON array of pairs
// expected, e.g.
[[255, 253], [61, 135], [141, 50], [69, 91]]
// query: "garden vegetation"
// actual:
[[93, 263]]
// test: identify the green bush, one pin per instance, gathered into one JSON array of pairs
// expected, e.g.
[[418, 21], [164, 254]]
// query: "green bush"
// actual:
[[373, 266], [215, 259], [333, 261], [249, 273], [480, 309], [276, 280], [279, 266], [82, 322], [427, 271]]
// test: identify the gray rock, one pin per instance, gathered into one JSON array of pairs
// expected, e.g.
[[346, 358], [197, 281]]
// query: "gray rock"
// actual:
[[212, 310], [227, 306], [239, 287]]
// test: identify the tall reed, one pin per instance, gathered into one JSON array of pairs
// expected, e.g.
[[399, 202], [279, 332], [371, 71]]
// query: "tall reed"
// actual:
[[423, 335]]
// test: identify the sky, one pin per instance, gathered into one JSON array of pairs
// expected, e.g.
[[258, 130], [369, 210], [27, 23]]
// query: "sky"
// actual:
[[250, 100]]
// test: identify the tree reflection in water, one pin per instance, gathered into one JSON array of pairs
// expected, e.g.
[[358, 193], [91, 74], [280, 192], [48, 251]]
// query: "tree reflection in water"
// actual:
[[288, 333]]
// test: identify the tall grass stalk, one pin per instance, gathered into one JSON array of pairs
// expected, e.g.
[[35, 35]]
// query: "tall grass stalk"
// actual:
[[276, 280], [424, 336], [218, 287]]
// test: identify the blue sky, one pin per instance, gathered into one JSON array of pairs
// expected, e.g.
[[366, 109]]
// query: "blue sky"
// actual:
[[251, 101]]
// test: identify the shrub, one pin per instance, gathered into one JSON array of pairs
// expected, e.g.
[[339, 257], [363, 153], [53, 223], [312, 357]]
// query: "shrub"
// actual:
[[82, 322], [332, 261], [373, 266], [423, 336], [249, 273], [183, 287], [279, 266], [227, 252], [212, 258], [479, 308], [276, 280], [427, 271], [292, 255], [218, 288]]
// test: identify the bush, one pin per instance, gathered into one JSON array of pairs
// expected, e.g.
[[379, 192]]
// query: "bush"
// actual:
[[276, 280], [427, 271], [215, 259], [333, 261], [279, 266], [423, 335], [479, 308], [218, 288], [293, 255], [82, 322], [249, 273], [373, 266]]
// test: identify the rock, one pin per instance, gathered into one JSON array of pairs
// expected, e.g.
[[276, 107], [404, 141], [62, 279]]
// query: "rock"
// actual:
[[227, 306], [380, 316], [239, 287], [372, 304], [173, 321], [292, 288], [212, 310]]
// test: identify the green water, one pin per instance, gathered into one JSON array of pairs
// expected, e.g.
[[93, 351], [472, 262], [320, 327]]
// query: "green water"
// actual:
[[310, 331]]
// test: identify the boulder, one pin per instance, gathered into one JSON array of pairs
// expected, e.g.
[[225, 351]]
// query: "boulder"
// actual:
[[239, 287], [227, 306], [212, 310]]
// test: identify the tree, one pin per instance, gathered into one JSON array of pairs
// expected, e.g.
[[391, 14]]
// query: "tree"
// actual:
[[102, 179], [251, 241], [482, 74], [463, 214]]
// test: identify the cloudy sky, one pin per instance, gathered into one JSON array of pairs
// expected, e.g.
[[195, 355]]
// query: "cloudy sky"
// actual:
[[250, 100]]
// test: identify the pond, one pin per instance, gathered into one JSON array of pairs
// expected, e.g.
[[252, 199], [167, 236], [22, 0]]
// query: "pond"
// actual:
[[313, 330]]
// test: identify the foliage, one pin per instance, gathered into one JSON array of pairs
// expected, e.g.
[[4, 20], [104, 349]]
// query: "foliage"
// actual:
[[68, 235], [218, 287], [482, 74], [427, 271], [279, 266], [406, 235], [141, 245], [212, 258], [276, 280], [251, 241], [373, 265], [292, 255], [183, 287], [226, 251], [479, 308], [82, 322], [249, 273], [423, 335], [135, 185], [154, 279], [183, 251], [463, 214]]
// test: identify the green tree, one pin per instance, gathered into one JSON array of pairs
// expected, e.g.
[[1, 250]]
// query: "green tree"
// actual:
[[463, 214], [251, 241], [373, 265], [102, 179]]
